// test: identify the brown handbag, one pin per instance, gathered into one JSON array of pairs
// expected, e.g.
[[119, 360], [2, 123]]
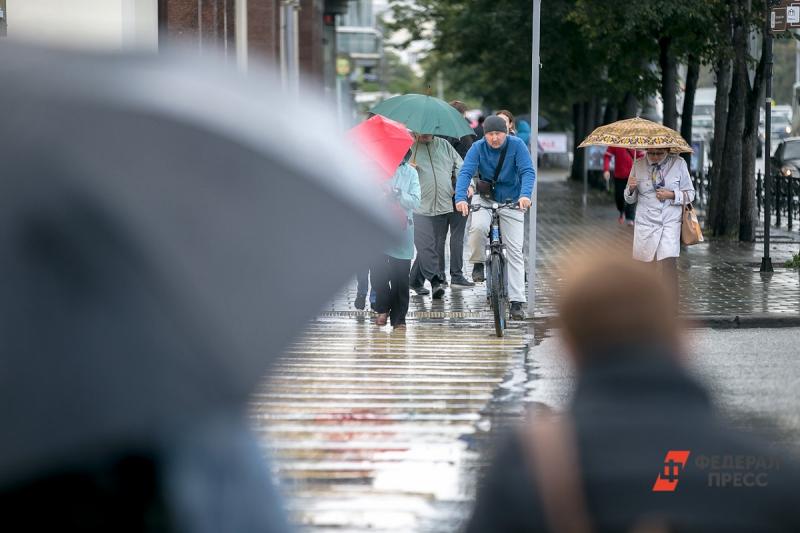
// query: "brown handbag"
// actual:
[[485, 188], [691, 232]]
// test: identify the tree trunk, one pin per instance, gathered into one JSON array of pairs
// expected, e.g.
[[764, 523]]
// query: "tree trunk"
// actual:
[[597, 119], [692, 76], [611, 112], [755, 95], [669, 82], [722, 71], [589, 113], [727, 213], [628, 107]]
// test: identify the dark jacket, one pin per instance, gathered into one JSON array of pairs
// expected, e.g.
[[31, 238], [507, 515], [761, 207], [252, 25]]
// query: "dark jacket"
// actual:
[[463, 144], [628, 412]]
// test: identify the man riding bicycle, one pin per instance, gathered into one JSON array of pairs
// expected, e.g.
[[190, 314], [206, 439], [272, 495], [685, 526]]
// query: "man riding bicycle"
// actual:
[[505, 174]]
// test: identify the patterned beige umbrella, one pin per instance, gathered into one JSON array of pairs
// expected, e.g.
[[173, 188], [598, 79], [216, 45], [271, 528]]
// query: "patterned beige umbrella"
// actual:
[[637, 133]]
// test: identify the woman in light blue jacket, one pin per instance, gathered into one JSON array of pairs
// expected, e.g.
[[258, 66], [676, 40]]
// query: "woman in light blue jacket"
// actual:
[[390, 274]]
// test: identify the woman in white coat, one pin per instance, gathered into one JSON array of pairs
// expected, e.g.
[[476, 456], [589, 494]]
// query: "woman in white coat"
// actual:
[[660, 182]]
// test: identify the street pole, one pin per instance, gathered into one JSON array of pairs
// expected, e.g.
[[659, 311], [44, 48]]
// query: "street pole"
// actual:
[[796, 60], [766, 261], [534, 148], [585, 172], [240, 33]]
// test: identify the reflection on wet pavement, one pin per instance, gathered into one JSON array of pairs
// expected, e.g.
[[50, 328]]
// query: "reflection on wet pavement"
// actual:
[[370, 427]]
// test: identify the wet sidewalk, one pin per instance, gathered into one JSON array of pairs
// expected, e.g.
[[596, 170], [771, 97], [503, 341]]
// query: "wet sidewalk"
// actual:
[[370, 429], [375, 430], [718, 279]]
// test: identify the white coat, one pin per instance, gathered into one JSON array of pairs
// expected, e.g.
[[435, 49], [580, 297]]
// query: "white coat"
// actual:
[[657, 231]]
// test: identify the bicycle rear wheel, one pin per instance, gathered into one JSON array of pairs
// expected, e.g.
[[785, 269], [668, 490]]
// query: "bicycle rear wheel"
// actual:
[[498, 302]]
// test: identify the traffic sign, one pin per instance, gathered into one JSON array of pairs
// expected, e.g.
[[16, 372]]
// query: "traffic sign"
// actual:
[[777, 19], [793, 15], [342, 66]]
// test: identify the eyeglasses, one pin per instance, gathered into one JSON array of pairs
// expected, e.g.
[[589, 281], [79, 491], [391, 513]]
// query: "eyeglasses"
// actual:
[[657, 153]]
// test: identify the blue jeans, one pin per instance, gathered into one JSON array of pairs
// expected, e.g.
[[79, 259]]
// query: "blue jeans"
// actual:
[[362, 284]]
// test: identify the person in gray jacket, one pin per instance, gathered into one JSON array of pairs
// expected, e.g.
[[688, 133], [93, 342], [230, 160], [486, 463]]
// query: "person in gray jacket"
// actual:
[[434, 159]]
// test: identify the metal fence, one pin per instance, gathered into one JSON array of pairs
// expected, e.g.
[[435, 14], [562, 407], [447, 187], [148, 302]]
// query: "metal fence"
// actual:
[[785, 198], [702, 188]]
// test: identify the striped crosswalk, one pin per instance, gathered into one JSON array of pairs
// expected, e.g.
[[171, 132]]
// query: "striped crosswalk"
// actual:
[[367, 426]]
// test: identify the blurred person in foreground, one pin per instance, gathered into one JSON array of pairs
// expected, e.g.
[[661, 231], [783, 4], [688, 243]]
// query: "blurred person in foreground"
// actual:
[[390, 274], [603, 465]]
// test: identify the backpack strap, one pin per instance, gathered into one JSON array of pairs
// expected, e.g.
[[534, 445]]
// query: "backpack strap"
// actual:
[[552, 457]]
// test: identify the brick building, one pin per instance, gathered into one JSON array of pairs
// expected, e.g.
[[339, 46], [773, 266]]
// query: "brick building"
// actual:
[[297, 35]]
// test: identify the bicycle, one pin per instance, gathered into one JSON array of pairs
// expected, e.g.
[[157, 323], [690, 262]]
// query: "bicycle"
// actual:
[[495, 267]]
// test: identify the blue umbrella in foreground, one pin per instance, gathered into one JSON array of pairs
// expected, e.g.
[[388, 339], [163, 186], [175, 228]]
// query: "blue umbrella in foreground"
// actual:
[[167, 229]]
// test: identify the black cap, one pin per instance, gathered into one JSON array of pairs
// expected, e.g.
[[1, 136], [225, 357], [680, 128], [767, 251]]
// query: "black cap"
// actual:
[[494, 123]]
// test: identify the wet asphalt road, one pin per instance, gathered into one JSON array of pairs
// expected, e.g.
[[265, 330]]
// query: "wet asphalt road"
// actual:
[[753, 376]]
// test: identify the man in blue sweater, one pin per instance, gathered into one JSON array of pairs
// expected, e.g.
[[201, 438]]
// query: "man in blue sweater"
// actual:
[[514, 183]]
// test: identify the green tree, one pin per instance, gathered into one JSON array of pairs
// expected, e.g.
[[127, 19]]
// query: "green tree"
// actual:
[[732, 208], [398, 77], [600, 59], [478, 46]]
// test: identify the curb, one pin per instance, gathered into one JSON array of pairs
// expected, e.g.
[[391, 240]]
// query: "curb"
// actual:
[[756, 320], [759, 320]]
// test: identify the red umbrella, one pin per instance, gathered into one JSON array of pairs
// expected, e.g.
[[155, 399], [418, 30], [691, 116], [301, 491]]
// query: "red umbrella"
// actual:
[[383, 141]]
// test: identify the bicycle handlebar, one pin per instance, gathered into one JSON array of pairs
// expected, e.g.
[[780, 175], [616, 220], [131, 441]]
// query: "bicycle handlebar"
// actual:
[[495, 205]]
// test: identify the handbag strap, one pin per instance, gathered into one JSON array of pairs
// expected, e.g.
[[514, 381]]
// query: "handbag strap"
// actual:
[[500, 162], [686, 204], [552, 456]]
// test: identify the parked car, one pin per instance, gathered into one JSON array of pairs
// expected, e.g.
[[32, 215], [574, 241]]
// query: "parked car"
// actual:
[[703, 127], [781, 126], [782, 110], [786, 160]]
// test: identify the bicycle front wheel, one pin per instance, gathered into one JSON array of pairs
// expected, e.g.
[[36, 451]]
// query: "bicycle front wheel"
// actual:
[[495, 274]]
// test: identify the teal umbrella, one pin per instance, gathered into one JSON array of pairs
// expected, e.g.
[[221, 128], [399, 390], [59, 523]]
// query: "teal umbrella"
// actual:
[[424, 114]]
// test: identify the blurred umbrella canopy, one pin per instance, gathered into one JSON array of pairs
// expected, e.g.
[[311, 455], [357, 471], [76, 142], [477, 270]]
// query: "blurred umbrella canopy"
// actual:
[[163, 225], [383, 141]]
